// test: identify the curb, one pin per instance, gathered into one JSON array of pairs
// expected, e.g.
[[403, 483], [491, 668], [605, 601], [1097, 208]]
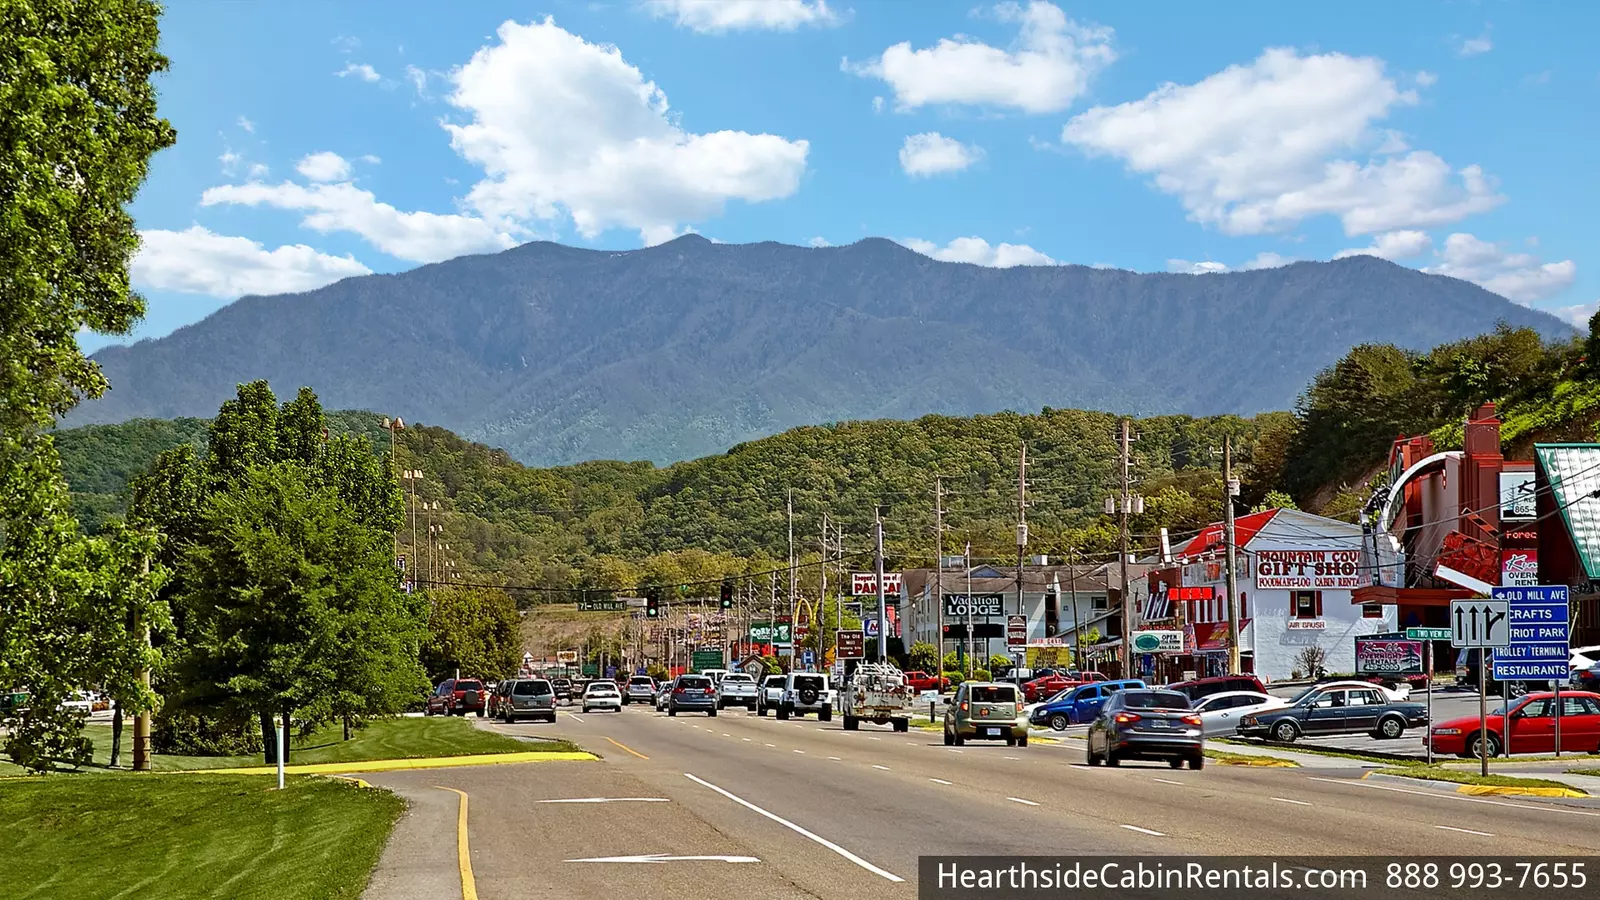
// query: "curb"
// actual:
[[1481, 790], [394, 765], [1258, 763]]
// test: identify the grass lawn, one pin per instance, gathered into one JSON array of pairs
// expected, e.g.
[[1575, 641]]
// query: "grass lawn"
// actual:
[[1247, 759], [398, 738], [191, 836], [1595, 773], [1322, 751], [1454, 776]]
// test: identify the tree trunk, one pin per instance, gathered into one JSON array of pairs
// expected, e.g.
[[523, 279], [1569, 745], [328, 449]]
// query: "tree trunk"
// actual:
[[286, 734], [269, 740], [347, 728], [116, 732]]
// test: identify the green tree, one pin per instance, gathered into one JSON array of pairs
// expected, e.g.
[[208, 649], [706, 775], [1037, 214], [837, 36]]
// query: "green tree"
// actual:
[[924, 657], [474, 630]]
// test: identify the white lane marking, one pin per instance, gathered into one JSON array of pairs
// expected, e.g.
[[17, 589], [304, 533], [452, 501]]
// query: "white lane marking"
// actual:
[[884, 873], [1166, 781], [799, 751], [746, 740], [938, 781], [1287, 800], [662, 857], [871, 738], [575, 717], [1019, 758], [954, 750], [1398, 790], [1464, 830], [725, 734], [834, 758], [607, 800], [876, 766], [1144, 830], [1023, 802], [772, 745]]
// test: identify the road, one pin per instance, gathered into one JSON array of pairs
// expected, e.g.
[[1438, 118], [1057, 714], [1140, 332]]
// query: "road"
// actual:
[[806, 809]]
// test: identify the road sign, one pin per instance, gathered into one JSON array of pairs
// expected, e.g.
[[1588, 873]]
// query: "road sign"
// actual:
[[1479, 623], [1158, 641], [872, 627], [1427, 634], [617, 605], [808, 659], [1539, 649], [1016, 631], [851, 644], [707, 659]]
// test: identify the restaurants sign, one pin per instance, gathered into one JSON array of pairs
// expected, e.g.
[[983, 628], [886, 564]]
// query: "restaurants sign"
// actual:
[[1308, 570]]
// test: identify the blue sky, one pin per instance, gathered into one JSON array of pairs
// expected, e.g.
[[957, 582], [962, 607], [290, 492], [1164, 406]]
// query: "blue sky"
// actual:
[[318, 141]]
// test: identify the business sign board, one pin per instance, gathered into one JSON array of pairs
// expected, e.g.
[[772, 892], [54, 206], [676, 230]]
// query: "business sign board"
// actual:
[[707, 658], [764, 633], [1387, 654], [1158, 641], [1539, 647], [1517, 498], [1309, 570], [1519, 568], [864, 584], [851, 644], [566, 657], [1016, 631], [980, 605]]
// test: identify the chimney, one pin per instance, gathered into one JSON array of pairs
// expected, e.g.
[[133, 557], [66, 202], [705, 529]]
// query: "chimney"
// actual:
[[1480, 488]]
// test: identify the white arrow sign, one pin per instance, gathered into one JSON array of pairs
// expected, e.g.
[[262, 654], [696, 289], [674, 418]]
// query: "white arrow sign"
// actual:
[[662, 857], [1479, 623]]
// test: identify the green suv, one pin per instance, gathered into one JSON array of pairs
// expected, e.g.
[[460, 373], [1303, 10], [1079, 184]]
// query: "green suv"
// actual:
[[985, 710]]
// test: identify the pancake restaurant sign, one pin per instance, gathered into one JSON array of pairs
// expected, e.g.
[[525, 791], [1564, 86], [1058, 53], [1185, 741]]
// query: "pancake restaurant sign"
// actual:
[[1308, 570]]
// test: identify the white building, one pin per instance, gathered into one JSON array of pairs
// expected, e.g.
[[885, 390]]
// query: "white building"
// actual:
[[1295, 573]]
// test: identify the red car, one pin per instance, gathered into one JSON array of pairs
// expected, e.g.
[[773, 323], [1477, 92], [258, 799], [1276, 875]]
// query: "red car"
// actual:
[[457, 696], [1047, 686], [1533, 727], [922, 681], [1201, 688]]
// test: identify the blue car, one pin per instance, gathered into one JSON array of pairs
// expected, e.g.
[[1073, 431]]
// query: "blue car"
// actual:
[[1079, 705]]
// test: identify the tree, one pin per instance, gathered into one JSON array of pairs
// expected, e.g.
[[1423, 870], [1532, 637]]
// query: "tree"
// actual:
[[78, 126], [474, 630], [924, 657]]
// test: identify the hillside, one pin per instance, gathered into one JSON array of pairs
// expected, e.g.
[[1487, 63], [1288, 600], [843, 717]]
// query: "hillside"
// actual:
[[674, 352]]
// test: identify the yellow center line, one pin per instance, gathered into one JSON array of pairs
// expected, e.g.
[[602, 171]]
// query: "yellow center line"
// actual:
[[469, 887], [629, 749]]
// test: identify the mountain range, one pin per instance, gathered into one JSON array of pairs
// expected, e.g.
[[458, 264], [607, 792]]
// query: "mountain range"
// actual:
[[562, 354]]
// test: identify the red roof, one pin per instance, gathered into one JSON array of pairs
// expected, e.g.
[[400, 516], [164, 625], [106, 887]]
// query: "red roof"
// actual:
[[1244, 529]]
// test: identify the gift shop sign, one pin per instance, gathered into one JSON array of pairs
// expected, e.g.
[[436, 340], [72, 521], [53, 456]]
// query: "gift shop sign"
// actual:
[[1303, 570]]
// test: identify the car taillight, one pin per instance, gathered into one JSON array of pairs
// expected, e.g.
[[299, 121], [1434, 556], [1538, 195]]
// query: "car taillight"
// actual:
[[711, 692], [963, 706], [678, 690], [1192, 720], [1126, 718]]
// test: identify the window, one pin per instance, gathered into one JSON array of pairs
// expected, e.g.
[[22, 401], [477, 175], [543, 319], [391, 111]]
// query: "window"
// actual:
[[531, 688], [1576, 706], [994, 694], [1305, 604], [1329, 700], [1244, 605], [1535, 709], [1362, 698], [1371, 610]]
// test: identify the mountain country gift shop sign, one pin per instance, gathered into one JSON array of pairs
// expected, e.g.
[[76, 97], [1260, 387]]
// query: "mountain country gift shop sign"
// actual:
[[1308, 570]]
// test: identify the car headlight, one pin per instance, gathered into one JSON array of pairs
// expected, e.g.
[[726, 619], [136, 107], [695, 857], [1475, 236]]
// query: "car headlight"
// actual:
[[1248, 720], [1447, 731]]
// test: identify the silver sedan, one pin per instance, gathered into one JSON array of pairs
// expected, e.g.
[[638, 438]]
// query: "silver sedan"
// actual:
[[1220, 713]]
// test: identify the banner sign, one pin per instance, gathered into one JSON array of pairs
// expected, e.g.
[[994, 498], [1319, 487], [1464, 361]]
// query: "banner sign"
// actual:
[[865, 584], [982, 605], [1519, 568], [1308, 570], [1387, 655]]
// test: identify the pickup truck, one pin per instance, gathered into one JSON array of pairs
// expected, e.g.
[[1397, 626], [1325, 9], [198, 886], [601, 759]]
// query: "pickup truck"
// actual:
[[737, 689], [920, 681], [880, 694]]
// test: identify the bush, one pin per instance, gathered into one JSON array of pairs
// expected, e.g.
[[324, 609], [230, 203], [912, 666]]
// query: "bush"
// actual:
[[186, 734], [998, 661], [981, 675], [955, 678], [658, 672]]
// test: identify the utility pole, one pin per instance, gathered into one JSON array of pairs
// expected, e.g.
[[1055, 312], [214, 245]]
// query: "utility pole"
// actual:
[[883, 606], [938, 568], [141, 722], [1077, 623], [821, 624], [1229, 489], [793, 576], [772, 613], [1022, 525], [1123, 503]]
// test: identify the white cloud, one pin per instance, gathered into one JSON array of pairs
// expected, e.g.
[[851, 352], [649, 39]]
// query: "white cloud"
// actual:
[[1516, 276], [819, 241], [877, 104], [359, 70], [1392, 245], [247, 125], [716, 16], [978, 251], [418, 79], [1185, 267], [196, 261], [259, 170], [1050, 65], [416, 236], [1577, 315], [1426, 79], [370, 160], [230, 161], [1257, 148], [932, 153], [324, 166], [1266, 259], [560, 123], [1475, 46]]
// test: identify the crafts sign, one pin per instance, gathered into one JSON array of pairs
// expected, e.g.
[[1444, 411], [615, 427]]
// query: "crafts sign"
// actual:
[[1302, 570]]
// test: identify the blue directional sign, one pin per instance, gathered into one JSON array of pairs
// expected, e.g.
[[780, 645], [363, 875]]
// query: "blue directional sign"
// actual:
[[1540, 637]]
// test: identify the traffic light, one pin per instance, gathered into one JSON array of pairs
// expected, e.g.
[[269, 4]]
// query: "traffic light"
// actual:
[[652, 603], [727, 594]]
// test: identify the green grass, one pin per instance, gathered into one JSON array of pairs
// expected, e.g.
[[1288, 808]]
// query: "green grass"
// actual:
[[397, 738], [174, 837], [1430, 773], [1322, 751], [1592, 772], [1250, 759]]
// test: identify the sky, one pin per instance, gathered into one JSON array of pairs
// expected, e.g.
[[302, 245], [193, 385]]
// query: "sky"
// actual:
[[319, 141]]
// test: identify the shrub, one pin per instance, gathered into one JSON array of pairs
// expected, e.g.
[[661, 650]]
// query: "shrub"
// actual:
[[186, 734], [981, 675], [955, 678]]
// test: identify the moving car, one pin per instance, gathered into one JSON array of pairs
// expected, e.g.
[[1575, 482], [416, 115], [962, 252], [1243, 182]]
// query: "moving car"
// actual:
[[563, 688], [457, 697], [806, 692], [1217, 684], [663, 691], [533, 698], [1147, 724], [985, 710], [715, 675], [602, 695], [1220, 713], [770, 693], [1533, 727], [692, 693], [737, 689], [878, 693], [641, 689], [1338, 708], [1079, 705]]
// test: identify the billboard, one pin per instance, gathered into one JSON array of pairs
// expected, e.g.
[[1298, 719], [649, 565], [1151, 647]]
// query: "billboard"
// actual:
[[762, 633], [864, 584], [1309, 570], [1388, 655], [1158, 641], [1517, 499]]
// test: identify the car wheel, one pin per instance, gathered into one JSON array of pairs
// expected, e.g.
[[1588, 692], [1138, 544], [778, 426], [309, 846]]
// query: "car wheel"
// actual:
[[712, 712], [1478, 744], [1175, 763], [1011, 742], [825, 716], [948, 740], [783, 714], [427, 711], [1391, 728], [1285, 732], [960, 741], [480, 712], [1111, 759], [902, 725], [671, 711], [851, 723], [1091, 759], [761, 711], [1058, 722], [1196, 762], [1022, 741]]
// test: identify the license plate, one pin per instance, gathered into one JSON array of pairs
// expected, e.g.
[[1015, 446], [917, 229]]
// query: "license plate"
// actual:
[[992, 732]]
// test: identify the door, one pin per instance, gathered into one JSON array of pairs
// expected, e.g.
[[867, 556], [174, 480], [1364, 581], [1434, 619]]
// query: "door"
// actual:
[[1533, 728], [1361, 707], [1326, 715], [1221, 716], [1580, 724], [1087, 703]]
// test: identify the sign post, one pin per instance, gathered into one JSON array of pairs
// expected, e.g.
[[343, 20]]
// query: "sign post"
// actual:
[[1427, 636], [1540, 645], [1480, 625]]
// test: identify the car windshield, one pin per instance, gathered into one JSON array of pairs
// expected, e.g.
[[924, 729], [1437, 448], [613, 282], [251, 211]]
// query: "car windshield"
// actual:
[[807, 681], [1154, 700], [695, 683], [469, 686], [643, 681], [737, 679], [531, 688], [994, 694]]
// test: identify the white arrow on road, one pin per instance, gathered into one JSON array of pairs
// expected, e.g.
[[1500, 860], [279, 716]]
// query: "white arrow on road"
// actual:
[[662, 857]]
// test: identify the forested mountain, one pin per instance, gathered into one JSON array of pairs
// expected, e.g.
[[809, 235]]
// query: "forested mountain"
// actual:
[[673, 352]]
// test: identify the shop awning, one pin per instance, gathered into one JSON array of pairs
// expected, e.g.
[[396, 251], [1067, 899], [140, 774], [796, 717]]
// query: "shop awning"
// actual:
[[1573, 471]]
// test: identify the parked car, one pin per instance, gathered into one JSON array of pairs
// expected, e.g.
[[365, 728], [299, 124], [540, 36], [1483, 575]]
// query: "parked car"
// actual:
[[1221, 713], [641, 689], [533, 698], [1533, 727], [1147, 724], [737, 689], [920, 681], [1587, 679], [806, 692], [715, 675], [79, 700], [1398, 692], [985, 710], [770, 694], [1217, 684], [1079, 705], [602, 695], [1047, 686], [663, 691], [1336, 709], [692, 693], [457, 697]]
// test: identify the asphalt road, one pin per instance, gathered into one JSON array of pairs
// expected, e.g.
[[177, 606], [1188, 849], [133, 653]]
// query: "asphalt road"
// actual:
[[806, 809]]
